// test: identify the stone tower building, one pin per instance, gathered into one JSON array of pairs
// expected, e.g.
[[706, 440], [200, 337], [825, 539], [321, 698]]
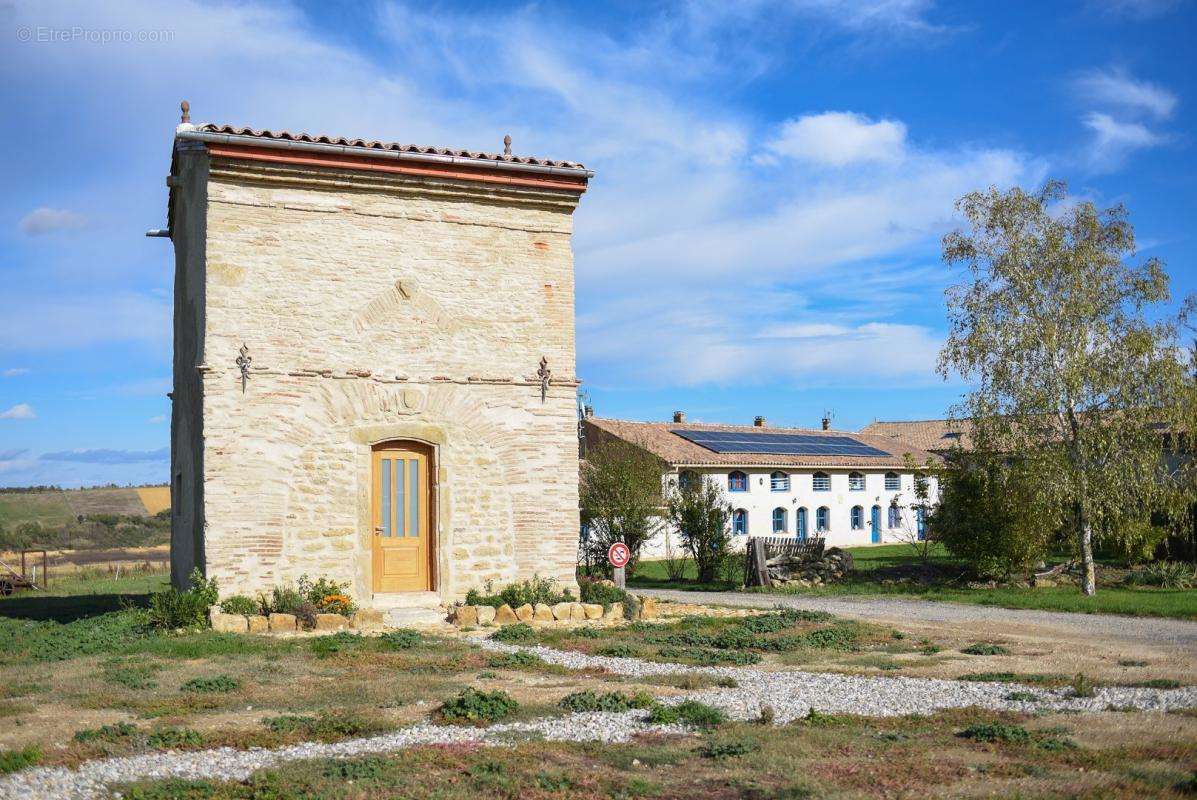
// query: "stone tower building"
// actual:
[[373, 365]]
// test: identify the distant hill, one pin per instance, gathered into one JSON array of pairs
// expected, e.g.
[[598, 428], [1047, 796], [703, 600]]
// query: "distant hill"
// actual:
[[62, 506]]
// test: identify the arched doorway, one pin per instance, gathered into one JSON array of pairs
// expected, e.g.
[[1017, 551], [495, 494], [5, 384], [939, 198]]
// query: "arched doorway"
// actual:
[[402, 517], [876, 524]]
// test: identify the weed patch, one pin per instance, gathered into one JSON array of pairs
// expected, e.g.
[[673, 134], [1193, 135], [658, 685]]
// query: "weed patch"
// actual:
[[984, 649], [474, 706], [217, 684], [325, 726], [689, 712], [519, 632], [13, 760], [996, 732], [514, 660], [611, 701], [729, 748]]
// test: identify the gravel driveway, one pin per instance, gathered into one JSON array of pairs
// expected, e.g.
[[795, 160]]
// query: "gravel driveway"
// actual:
[[1175, 633]]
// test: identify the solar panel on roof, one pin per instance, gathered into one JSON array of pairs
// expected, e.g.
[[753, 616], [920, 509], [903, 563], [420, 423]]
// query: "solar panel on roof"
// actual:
[[791, 444]]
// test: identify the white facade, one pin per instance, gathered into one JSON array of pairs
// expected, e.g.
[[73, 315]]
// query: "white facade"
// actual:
[[760, 499]]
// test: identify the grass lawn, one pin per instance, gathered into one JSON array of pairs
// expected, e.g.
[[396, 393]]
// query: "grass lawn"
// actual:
[[49, 508], [105, 684], [874, 564]]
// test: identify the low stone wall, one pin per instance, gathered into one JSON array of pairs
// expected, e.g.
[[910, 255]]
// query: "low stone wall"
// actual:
[[784, 570], [363, 620], [573, 613]]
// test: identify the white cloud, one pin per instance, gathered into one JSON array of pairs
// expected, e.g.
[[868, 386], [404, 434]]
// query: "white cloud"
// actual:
[[683, 237], [1115, 88], [15, 371], [50, 220], [19, 411], [838, 138], [1114, 140]]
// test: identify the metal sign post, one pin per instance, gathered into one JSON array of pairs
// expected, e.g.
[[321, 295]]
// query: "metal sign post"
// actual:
[[619, 555]]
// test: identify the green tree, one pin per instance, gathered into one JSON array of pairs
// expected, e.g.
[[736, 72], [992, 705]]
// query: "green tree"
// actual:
[[1076, 360], [621, 499], [988, 518], [702, 517]]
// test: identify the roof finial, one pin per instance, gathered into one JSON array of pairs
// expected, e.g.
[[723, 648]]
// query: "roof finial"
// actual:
[[185, 107], [507, 145]]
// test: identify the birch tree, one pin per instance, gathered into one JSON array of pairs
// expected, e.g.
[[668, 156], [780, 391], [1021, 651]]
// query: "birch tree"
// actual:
[[1077, 363]]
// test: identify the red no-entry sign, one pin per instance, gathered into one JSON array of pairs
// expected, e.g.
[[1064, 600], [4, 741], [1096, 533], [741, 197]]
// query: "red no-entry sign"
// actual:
[[619, 555]]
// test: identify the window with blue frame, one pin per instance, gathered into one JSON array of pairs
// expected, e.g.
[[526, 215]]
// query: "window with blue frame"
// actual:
[[780, 520], [895, 517], [856, 482], [892, 482], [801, 523], [687, 480], [737, 482], [740, 522], [823, 519], [857, 518], [821, 482], [920, 519], [779, 482]]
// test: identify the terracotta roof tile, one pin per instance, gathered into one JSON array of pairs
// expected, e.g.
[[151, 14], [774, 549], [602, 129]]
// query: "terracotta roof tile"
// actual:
[[658, 438], [235, 130], [937, 435]]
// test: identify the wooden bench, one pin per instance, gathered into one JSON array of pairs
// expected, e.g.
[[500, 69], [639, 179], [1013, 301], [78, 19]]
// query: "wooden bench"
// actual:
[[761, 549]]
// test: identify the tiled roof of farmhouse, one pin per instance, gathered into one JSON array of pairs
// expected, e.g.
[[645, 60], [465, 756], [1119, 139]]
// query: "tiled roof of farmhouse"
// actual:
[[234, 130], [929, 434], [659, 439]]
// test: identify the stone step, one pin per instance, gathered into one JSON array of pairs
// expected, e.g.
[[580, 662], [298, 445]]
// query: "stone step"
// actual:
[[413, 617]]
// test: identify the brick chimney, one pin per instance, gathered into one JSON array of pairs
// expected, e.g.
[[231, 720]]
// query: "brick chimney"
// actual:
[[826, 420], [759, 422], [679, 416]]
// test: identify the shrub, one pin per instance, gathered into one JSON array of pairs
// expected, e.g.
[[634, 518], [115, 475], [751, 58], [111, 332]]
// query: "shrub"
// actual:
[[359, 769], [13, 760], [282, 600], [1083, 686], [767, 715], [996, 732], [618, 650], [171, 608], [106, 733], [688, 712], [702, 517], [620, 497], [519, 632], [341, 641], [326, 726], [602, 594], [530, 592], [475, 706], [1157, 683], [174, 739], [611, 701], [517, 659], [214, 684], [990, 516], [1165, 575], [328, 596], [400, 639], [1026, 697], [732, 748], [240, 604], [984, 649]]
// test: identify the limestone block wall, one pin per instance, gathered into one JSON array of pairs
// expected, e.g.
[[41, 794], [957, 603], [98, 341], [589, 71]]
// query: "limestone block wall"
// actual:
[[378, 307]]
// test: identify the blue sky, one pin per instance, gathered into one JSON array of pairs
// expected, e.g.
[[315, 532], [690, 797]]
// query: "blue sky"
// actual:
[[762, 235]]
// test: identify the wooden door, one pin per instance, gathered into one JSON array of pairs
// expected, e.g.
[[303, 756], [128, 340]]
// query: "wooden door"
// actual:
[[876, 524], [402, 513]]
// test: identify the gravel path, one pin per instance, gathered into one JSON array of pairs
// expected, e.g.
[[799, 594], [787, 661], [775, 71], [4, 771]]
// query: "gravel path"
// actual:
[[1177, 633], [790, 693]]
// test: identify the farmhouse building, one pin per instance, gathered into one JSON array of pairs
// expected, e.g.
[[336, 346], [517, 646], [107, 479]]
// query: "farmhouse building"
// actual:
[[374, 364], [848, 488]]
